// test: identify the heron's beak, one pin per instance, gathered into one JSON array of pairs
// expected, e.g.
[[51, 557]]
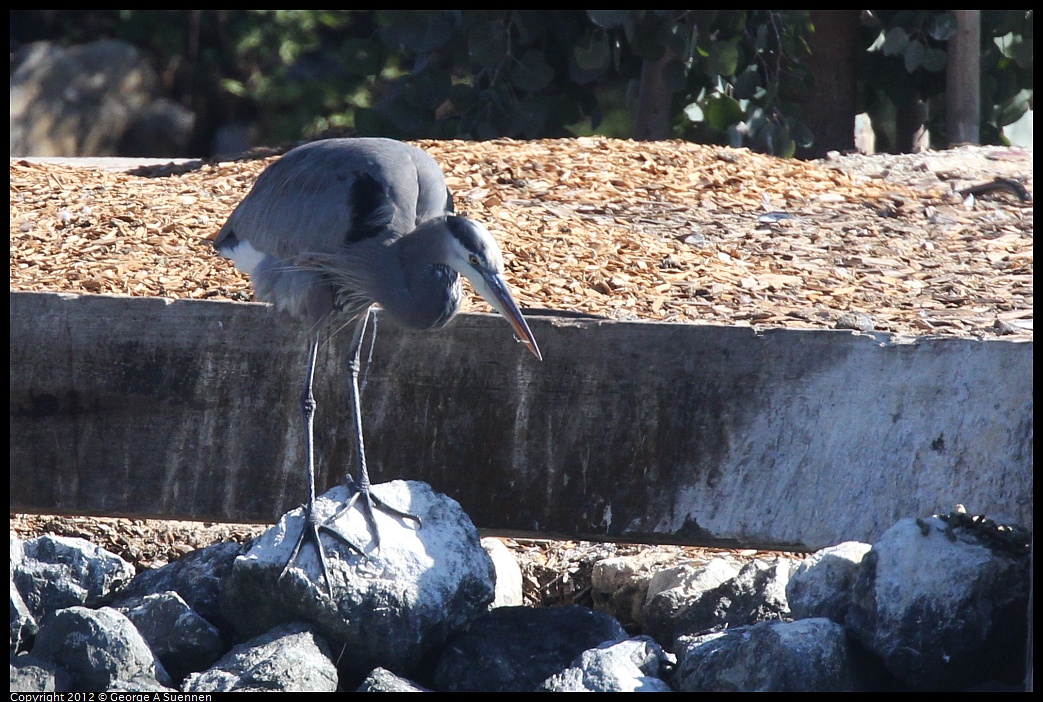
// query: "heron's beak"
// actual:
[[493, 288]]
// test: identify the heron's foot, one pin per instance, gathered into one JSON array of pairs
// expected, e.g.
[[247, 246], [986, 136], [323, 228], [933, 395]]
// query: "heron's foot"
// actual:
[[310, 532], [368, 503]]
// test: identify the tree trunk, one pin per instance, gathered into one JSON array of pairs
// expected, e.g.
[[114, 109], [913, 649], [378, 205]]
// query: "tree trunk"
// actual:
[[962, 80], [830, 105], [652, 122]]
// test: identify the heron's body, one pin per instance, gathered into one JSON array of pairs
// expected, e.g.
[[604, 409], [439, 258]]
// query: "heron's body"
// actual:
[[336, 226], [341, 197]]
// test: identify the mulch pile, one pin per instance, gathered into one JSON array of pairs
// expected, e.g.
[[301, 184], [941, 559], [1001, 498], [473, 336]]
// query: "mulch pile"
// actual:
[[668, 231]]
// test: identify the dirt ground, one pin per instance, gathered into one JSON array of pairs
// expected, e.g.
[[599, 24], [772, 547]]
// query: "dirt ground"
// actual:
[[553, 572], [667, 231]]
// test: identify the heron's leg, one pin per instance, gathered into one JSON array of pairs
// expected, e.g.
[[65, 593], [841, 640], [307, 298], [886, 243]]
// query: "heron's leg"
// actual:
[[312, 526], [354, 367], [362, 484]]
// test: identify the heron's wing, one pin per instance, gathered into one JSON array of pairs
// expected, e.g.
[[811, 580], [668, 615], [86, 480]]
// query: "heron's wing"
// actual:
[[325, 195], [372, 208]]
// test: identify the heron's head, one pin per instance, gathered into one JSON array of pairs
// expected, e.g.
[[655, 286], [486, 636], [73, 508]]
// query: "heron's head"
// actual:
[[473, 253]]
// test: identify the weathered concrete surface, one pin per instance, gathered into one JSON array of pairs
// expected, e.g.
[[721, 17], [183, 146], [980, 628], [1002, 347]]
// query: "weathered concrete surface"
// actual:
[[634, 431], [119, 164]]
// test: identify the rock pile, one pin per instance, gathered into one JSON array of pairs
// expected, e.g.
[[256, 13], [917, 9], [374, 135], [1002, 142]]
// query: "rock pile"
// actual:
[[935, 604]]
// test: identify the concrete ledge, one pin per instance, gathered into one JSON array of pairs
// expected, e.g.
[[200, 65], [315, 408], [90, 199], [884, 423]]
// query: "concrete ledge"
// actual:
[[107, 163], [631, 431]]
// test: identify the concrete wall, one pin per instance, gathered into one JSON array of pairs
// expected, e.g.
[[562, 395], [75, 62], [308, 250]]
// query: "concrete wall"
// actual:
[[632, 431]]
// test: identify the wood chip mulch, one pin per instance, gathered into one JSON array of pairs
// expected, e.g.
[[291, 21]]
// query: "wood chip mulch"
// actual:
[[668, 231]]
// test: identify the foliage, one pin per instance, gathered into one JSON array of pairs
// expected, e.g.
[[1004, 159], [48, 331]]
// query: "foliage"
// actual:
[[303, 72], [485, 73], [906, 55], [732, 76], [736, 74], [527, 73]]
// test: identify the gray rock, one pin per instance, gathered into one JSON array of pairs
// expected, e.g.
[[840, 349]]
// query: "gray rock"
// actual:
[[17, 549], [232, 139], [99, 647], [75, 101], [197, 577], [383, 680], [91, 100], [673, 591], [943, 605], [30, 674], [695, 577], [619, 586], [821, 584], [810, 655], [142, 684], [709, 599], [290, 658], [59, 572], [23, 625], [634, 665], [182, 640], [758, 592], [389, 607], [859, 321], [159, 129], [514, 649], [508, 573]]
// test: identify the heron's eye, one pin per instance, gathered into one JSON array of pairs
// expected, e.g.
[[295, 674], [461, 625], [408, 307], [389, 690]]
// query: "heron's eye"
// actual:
[[473, 260]]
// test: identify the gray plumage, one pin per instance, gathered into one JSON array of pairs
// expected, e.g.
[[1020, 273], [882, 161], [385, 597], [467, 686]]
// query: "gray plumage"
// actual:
[[336, 226], [319, 200]]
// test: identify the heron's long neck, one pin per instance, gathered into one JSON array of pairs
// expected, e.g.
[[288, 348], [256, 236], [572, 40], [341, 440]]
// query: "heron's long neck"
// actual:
[[424, 292]]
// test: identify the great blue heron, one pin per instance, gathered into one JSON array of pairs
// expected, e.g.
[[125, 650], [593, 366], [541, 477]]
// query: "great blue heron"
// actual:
[[336, 226]]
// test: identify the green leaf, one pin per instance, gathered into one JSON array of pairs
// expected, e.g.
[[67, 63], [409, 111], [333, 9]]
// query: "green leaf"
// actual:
[[942, 27], [592, 54], [608, 19], [786, 148], [774, 139], [676, 39], [530, 28], [487, 44], [895, 41], [724, 58], [935, 60], [422, 92], [746, 84], [1021, 52], [761, 41], [361, 57], [913, 55], [756, 120], [648, 37], [722, 112], [420, 31], [694, 112], [369, 122], [802, 136], [533, 72], [1012, 111], [1002, 85], [528, 118], [464, 97]]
